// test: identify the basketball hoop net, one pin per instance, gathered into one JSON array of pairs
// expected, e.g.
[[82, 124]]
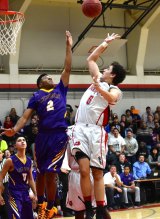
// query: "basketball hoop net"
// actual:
[[10, 24]]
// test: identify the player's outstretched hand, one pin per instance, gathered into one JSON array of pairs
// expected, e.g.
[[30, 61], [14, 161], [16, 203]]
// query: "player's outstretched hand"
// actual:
[[112, 37], [8, 132], [2, 202], [69, 40]]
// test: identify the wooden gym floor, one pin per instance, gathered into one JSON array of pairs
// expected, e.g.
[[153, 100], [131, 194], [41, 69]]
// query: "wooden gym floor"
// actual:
[[145, 212]]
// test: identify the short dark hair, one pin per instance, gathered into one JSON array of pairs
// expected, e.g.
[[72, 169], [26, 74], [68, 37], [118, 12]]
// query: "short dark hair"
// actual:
[[18, 135], [40, 78], [119, 71]]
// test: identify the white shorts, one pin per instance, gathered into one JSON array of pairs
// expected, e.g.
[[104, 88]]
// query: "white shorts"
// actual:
[[92, 140], [74, 198]]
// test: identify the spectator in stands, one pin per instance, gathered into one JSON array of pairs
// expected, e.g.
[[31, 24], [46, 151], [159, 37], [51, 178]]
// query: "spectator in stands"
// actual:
[[69, 111], [113, 187], [110, 134], [121, 163], [141, 169], [131, 146], [158, 110], [147, 113], [156, 131], [13, 115], [129, 186], [128, 118], [136, 119], [157, 145], [7, 154], [8, 123], [142, 150], [150, 121], [3, 144], [116, 122], [156, 117], [144, 134], [123, 124], [154, 159], [116, 146]]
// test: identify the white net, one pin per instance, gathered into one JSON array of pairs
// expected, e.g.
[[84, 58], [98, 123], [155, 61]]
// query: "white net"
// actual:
[[10, 24]]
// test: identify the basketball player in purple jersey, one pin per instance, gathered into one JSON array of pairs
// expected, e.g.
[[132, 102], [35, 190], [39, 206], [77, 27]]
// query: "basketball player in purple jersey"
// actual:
[[19, 170], [49, 102]]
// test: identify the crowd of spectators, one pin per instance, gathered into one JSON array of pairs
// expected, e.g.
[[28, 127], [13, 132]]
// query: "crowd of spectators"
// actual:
[[133, 148]]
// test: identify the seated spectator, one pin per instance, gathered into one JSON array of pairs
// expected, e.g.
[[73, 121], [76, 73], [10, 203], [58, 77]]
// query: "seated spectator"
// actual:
[[121, 163], [113, 188], [13, 115], [3, 144], [144, 134], [156, 131], [116, 122], [136, 119], [131, 146], [128, 118], [141, 169], [129, 186], [116, 146], [123, 124], [150, 122], [157, 110], [110, 134], [147, 113], [142, 150], [156, 117], [68, 117], [8, 123], [7, 154], [154, 159]]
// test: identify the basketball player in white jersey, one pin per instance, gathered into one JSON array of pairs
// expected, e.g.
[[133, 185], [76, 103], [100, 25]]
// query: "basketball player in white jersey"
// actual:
[[74, 198], [89, 134]]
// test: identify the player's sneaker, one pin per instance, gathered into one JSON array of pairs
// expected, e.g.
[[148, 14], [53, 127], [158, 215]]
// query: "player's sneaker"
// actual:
[[50, 213], [89, 214], [102, 213], [41, 210]]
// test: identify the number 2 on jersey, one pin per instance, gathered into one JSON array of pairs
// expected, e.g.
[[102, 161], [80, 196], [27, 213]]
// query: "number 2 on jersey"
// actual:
[[50, 105]]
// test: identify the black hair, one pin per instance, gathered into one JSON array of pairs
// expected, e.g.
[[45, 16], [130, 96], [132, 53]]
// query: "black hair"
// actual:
[[119, 71], [18, 136], [40, 78]]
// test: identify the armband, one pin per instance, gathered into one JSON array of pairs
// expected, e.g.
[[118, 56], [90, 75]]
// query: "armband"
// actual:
[[104, 44]]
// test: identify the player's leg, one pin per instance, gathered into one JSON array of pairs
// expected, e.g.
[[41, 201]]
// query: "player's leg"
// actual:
[[15, 206], [99, 191], [40, 186], [85, 182], [27, 211]]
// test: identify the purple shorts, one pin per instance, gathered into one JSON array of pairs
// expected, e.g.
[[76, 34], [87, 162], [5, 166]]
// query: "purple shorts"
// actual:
[[20, 205], [49, 150]]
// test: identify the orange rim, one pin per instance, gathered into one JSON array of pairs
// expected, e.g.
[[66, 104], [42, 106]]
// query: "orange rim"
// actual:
[[3, 13]]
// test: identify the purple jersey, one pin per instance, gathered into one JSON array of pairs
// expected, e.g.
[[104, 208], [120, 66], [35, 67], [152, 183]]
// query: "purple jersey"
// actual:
[[18, 177], [127, 179], [50, 107]]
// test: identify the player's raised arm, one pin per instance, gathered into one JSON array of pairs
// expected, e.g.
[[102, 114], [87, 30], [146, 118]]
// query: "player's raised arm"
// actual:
[[68, 59], [91, 60]]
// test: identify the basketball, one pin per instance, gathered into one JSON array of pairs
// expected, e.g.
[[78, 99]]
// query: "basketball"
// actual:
[[91, 8]]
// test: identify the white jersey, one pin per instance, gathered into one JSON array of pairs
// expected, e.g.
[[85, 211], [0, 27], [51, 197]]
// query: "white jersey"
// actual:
[[93, 108]]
